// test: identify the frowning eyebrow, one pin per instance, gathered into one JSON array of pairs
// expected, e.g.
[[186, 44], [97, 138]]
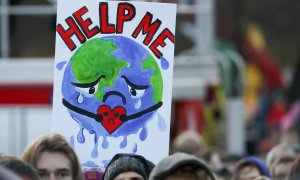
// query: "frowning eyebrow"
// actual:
[[133, 85], [42, 170], [63, 170], [86, 85]]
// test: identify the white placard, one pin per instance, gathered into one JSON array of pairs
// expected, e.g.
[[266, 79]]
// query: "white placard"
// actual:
[[113, 78]]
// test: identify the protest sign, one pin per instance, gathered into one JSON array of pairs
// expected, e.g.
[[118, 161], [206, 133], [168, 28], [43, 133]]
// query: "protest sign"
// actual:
[[113, 78]]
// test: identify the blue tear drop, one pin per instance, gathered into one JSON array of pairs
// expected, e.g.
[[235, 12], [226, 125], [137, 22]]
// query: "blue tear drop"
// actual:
[[95, 150], [161, 123], [80, 136], [104, 143], [96, 139], [60, 65], [134, 149], [143, 134], [123, 143], [164, 63]]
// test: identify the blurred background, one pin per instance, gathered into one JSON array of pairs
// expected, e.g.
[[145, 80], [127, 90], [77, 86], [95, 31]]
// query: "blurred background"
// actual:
[[235, 73]]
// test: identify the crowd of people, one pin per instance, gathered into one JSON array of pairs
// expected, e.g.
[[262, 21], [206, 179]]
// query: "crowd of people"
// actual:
[[50, 157]]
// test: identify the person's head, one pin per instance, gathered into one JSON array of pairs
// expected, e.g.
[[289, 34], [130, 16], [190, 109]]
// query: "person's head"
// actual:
[[53, 158], [128, 167], [22, 169], [262, 178], [249, 168], [281, 150], [294, 173], [189, 142], [181, 166], [281, 167], [8, 174]]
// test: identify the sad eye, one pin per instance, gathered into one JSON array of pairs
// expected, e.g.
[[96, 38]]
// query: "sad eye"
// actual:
[[136, 93], [88, 88]]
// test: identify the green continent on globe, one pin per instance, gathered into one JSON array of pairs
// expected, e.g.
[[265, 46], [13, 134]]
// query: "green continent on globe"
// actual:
[[94, 59], [156, 78]]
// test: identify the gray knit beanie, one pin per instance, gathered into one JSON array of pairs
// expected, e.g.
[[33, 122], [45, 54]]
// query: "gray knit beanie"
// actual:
[[128, 162]]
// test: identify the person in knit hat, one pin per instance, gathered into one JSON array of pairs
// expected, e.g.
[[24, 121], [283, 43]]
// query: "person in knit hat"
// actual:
[[250, 168], [181, 166], [19, 167], [8, 174], [128, 167]]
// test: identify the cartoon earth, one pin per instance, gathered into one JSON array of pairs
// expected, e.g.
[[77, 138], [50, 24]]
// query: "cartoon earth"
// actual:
[[112, 87]]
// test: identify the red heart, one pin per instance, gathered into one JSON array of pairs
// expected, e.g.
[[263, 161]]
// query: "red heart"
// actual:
[[111, 118]]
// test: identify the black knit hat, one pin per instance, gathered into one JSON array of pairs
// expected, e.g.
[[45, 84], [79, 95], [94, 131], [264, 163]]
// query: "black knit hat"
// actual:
[[127, 162]]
